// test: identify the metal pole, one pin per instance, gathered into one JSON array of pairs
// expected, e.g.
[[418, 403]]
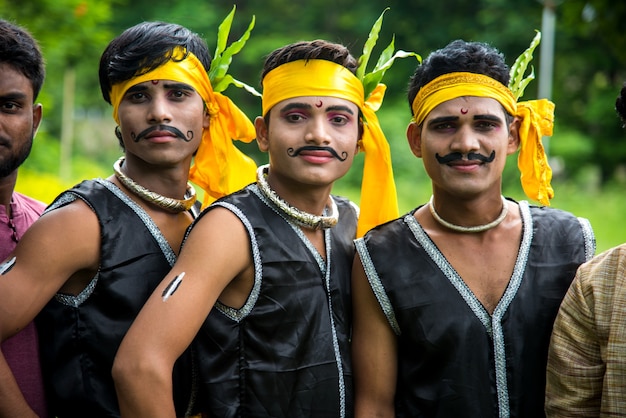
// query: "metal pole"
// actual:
[[547, 55]]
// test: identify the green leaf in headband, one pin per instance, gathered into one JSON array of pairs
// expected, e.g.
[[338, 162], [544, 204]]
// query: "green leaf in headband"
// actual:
[[517, 82], [223, 56], [385, 61]]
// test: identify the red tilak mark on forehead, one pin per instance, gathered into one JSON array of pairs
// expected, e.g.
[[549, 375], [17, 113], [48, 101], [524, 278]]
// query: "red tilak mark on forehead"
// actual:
[[464, 111], [320, 104], [155, 82]]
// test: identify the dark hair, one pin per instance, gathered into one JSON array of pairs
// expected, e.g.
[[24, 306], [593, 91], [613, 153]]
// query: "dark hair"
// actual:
[[21, 51], [620, 105], [310, 50], [459, 56], [143, 48]]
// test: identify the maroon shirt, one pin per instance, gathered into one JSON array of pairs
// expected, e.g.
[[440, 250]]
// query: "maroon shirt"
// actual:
[[22, 350]]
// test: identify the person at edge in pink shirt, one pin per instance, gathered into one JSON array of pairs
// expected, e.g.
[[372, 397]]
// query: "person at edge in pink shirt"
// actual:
[[22, 72]]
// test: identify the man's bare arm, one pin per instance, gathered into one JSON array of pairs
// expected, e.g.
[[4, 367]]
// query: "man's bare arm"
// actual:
[[56, 247], [374, 355], [215, 258]]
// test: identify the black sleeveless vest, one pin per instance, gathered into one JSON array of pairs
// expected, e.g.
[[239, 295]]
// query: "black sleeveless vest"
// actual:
[[454, 358], [285, 353], [80, 335]]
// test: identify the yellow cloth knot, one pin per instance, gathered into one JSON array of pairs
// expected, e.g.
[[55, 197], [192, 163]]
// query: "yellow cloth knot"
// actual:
[[212, 108], [378, 188], [376, 97], [537, 121], [221, 168]]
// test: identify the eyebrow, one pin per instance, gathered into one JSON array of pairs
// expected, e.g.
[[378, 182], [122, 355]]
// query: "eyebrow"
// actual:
[[172, 85], [13, 96], [442, 119], [298, 105], [136, 88], [340, 108], [179, 86]]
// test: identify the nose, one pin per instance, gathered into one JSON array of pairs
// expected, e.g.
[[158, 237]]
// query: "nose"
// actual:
[[465, 140], [159, 110], [317, 131]]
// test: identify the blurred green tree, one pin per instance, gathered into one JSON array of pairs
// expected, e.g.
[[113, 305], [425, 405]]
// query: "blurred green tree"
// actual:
[[589, 63]]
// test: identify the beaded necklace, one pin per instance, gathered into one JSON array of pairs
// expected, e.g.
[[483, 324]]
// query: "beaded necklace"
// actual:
[[469, 229], [167, 203], [296, 215]]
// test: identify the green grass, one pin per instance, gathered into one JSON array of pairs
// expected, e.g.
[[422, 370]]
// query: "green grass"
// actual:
[[604, 209]]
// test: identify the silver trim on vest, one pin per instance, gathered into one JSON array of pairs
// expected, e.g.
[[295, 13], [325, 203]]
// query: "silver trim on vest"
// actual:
[[68, 197], [377, 286], [492, 323], [589, 237], [326, 273], [238, 314]]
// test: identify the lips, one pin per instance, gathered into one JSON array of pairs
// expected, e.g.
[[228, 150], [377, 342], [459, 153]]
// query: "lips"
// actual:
[[5, 143], [161, 131], [316, 157], [320, 153], [464, 163], [160, 134]]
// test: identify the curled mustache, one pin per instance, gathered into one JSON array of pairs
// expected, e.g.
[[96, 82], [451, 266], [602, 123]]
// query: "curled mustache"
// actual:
[[294, 153], [457, 156], [171, 129]]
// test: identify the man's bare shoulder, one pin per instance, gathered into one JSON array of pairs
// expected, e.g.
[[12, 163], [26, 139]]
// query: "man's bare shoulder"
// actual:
[[65, 239]]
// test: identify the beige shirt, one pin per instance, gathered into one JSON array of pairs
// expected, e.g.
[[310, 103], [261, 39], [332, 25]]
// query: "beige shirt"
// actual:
[[586, 375]]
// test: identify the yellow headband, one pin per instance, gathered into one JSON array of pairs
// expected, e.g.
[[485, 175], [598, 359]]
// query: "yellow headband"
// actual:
[[325, 78], [310, 78], [537, 118], [219, 167]]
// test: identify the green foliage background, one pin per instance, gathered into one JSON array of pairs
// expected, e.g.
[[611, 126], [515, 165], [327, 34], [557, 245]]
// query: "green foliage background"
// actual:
[[588, 148]]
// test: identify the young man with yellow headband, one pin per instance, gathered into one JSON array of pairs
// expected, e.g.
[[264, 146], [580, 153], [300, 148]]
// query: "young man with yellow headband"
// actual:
[[87, 266], [454, 302], [263, 278]]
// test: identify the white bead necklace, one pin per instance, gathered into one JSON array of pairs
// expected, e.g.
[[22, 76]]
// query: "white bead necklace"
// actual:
[[296, 215], [167, 203], [470, 229]]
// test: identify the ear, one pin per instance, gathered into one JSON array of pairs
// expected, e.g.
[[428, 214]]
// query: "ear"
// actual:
[[359, 141], [37, 115], [514, 140], [261, 133], [206, 118], [414, 136]]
